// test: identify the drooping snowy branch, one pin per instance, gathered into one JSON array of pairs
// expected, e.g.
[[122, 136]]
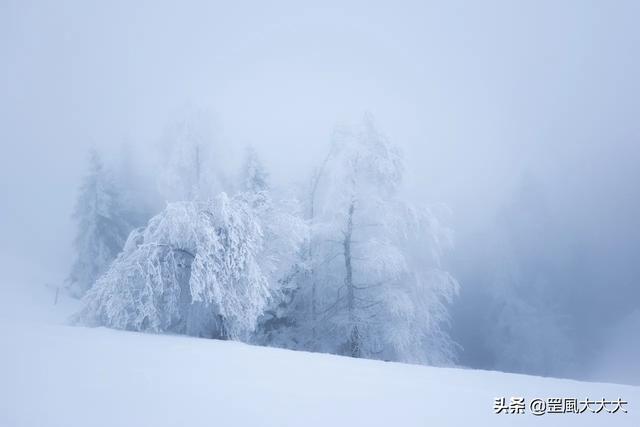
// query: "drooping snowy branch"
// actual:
[[201, 268]]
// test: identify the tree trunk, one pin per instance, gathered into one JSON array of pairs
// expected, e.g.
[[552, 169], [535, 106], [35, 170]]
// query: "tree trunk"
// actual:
[[354, 335], [314, 303]]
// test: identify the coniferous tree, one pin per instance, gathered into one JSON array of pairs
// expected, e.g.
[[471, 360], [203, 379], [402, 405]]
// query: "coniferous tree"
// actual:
[[190, 163], [102, 226], [254, 175]]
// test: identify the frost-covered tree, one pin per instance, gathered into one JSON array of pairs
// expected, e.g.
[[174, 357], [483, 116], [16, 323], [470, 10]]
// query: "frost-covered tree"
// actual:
[[102, 226], [254, 176], [284, 228], [198, 268], [293, 322], [139, 194], [376, 288], [189, 166]]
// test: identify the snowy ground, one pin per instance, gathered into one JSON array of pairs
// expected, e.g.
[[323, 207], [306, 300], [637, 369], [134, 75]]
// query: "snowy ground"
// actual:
[[56, 375]]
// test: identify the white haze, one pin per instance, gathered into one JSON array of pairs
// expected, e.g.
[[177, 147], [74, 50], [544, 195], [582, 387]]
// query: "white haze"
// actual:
[[499, 107]]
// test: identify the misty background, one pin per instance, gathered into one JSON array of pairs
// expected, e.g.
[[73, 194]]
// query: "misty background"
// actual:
[[520, 117]]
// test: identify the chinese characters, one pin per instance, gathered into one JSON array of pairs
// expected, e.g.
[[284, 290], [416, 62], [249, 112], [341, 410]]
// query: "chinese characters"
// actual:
[[557, 405]]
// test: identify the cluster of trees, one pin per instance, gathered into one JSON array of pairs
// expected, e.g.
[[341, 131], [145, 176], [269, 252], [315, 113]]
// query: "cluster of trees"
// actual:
[[343, 265]]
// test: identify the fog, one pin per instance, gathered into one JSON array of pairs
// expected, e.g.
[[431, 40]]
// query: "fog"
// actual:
[[521, 117]]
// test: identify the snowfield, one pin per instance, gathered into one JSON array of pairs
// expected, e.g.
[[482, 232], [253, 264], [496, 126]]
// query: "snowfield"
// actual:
[[55, 375]]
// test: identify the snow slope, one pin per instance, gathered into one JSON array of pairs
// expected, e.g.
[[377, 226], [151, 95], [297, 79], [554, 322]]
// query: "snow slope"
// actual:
[[65, 376], [56, 375]]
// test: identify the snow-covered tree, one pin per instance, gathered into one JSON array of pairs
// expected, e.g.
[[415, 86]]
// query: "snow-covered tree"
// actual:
[[254, 175], [292, 323], [199, 268], [284, 228], [190, 165], [139, 193], [102, 226], [376, 288]]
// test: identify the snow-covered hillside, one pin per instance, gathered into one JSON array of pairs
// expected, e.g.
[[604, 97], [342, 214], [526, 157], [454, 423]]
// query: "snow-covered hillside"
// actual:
[[56, 375]]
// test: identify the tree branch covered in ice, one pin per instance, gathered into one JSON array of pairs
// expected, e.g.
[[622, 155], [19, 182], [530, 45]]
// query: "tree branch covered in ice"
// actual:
[[200, 268], [349, 267], [373, 285]]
